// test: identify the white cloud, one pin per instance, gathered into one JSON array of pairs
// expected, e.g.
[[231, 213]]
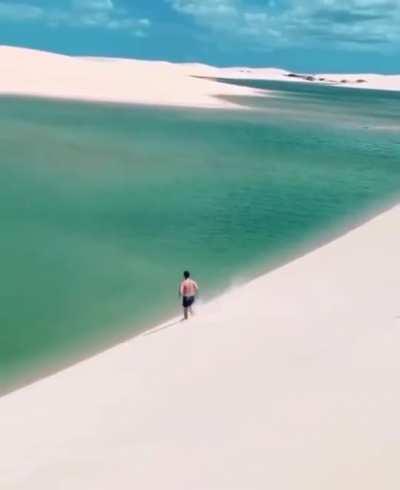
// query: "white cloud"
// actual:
[[81, 13], [344, 23], [99, 5], [206, 8], [20, 11]]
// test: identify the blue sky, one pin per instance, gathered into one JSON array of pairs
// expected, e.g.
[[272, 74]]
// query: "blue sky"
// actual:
[[306, 35]]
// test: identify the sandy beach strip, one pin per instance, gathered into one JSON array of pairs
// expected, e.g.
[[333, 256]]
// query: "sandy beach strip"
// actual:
[[288, 382]]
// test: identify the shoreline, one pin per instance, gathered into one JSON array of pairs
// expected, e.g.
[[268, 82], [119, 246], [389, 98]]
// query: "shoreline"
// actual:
[[223, 106], [320, 333], [112, 103], [322, 240]]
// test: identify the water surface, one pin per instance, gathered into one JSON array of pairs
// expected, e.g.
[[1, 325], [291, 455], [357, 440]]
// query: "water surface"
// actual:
[[103, 206]]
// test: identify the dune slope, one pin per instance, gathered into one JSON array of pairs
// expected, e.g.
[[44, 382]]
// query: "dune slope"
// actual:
[[288, 382]]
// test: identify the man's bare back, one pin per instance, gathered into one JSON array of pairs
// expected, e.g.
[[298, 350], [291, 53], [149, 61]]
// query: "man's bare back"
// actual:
[[188, 290]]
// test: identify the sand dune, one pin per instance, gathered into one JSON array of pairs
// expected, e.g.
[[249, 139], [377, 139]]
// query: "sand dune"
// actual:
[[28, 72], [289, 382]]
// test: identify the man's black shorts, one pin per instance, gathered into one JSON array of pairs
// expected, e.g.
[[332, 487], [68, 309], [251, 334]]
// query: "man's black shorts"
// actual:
[[187, 301]]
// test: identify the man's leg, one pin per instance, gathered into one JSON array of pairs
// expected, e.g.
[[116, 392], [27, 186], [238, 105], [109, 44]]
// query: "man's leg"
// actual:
[[185, 312]]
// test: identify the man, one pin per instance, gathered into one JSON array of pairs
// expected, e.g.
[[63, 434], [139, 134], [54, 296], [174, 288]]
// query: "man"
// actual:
[[188, 290]]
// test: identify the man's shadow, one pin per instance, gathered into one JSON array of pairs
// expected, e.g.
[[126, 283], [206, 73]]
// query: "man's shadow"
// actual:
[[164, 327]]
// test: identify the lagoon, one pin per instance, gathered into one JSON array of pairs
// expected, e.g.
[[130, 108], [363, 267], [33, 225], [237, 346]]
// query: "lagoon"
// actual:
[[103, 206]]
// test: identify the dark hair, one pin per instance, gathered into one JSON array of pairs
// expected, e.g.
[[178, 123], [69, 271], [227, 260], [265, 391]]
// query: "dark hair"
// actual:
[[186, 274]]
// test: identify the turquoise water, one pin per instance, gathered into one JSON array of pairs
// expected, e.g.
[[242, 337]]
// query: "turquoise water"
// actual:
[[103, 206]]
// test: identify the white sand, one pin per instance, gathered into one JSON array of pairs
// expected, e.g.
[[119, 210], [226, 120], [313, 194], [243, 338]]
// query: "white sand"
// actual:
[[38, 73], [288, 383]]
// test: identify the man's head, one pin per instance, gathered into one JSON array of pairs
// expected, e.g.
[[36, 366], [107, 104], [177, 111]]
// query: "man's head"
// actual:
[[186, 274]]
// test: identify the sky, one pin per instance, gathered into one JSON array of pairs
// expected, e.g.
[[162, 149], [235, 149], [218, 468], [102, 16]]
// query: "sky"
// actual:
[[299, 35]]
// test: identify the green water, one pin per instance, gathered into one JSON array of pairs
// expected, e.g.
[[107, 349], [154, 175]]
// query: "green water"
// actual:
[[102, 207]]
